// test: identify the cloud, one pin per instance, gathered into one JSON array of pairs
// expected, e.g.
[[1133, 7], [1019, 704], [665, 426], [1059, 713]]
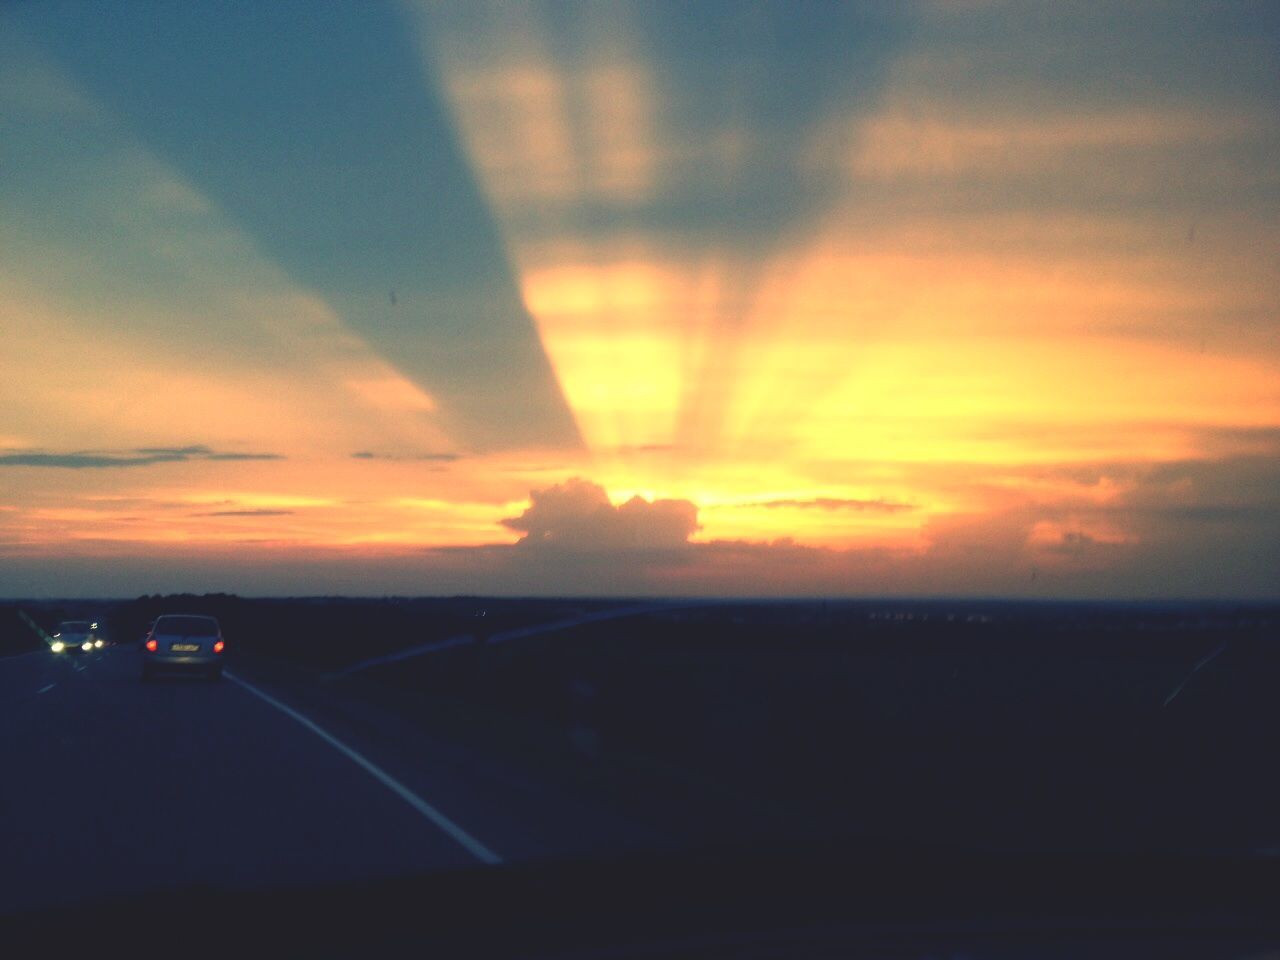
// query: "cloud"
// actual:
[[139, 457], [1078, 544], [1187, 529], [837, 503], [243, 456], [245, 513], [432, 457], [83, 461], [1169, 531], [197, 450], [577, 515]]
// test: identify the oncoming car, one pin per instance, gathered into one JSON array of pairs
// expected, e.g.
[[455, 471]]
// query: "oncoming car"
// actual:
[[75, 636], [183, 642]]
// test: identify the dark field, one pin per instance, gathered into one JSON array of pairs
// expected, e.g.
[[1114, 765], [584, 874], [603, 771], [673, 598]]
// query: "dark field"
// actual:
[[1045, 727]]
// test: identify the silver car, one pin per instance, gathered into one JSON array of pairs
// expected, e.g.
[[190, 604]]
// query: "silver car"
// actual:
[[183, 642], [75, 636]]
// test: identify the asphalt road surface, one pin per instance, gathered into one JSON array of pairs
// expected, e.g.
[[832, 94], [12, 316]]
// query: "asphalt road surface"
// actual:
[[111, 786], [112, 789], [275, 779]]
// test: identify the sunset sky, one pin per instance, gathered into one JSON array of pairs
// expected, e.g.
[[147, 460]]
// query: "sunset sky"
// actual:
[[640, 298]]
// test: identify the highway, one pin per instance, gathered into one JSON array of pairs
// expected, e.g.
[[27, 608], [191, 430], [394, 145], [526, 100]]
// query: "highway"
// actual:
[[283, 799], [113, 786]]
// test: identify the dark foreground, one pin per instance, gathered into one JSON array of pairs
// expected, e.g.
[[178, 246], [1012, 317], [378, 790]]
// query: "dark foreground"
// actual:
[[908, 771], [846, 901]]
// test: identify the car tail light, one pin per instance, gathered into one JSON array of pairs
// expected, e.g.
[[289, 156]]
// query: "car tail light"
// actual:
[[152, 646], [217, 646]]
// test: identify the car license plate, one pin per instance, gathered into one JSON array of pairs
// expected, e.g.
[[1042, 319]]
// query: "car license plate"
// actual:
[[184, 647]]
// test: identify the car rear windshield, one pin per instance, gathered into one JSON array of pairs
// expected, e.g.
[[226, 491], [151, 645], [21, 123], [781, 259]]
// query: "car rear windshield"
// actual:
[[187, 626], [74, 626]]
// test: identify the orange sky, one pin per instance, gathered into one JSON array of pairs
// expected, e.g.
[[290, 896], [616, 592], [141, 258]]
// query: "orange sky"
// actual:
[[982, 324]]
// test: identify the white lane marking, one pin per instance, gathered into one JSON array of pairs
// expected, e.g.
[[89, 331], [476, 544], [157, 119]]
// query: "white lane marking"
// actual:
[[463, 839], [46, 689], [1187, 679]]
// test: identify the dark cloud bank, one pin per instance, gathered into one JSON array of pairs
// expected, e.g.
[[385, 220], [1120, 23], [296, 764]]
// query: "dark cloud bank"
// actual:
[[139, 457]]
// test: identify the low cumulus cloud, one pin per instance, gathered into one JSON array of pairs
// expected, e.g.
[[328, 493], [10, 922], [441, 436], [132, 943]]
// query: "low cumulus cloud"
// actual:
[[1186, 529], [138, 457], [1194, 528], [1079, 545], [578, 515]]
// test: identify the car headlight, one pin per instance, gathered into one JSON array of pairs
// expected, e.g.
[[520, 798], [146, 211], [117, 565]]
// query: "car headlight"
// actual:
[[57, 646], [97, 643], [86, 646]]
